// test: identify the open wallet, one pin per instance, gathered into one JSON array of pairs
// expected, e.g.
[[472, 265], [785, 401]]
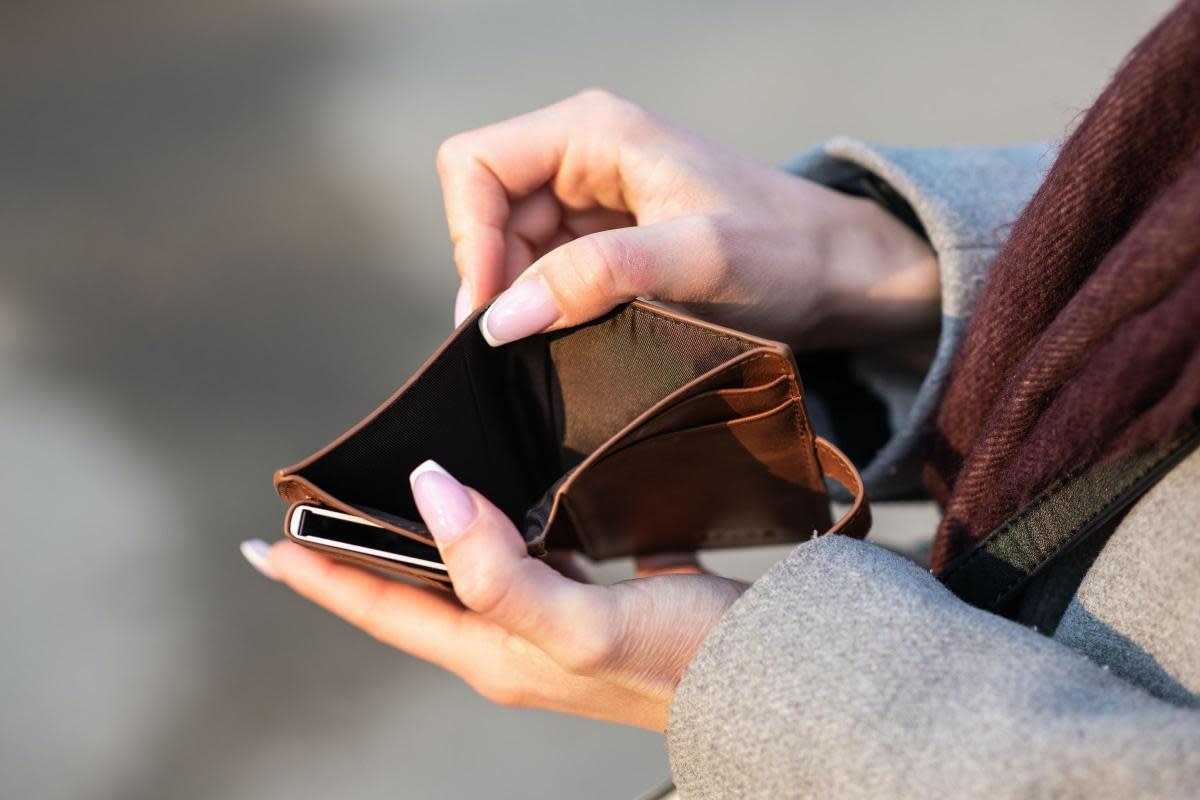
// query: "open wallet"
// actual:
[[644, 431]]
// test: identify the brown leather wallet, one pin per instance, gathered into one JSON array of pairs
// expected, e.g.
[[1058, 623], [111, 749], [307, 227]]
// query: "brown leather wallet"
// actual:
[[641, 432]]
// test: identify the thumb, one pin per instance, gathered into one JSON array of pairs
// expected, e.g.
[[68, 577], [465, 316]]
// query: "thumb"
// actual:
[[492, 571], [588, 276]]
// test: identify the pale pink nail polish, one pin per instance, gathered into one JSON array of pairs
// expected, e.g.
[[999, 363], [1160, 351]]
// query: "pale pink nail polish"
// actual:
[[255, 551], [524, 309], [462, 305], [443, 502]]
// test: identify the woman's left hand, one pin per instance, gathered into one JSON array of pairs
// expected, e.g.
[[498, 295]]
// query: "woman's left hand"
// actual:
[[521, 632]]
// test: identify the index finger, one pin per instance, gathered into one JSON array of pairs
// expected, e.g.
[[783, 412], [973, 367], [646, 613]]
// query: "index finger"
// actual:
[[481, 171], [572, 145]]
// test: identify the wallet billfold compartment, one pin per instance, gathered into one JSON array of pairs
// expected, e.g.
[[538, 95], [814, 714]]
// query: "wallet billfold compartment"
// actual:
[[641, 432]]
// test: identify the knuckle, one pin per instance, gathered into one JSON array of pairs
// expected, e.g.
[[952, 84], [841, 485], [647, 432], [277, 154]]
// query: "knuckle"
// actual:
[[483, 592], [609, 108], [635, 265], [591, 267], [610, 266]]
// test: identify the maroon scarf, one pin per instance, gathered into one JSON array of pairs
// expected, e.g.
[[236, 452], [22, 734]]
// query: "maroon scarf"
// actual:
[[1085, 343]]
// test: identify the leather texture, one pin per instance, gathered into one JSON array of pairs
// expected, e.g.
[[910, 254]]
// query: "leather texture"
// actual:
[[641, 432]]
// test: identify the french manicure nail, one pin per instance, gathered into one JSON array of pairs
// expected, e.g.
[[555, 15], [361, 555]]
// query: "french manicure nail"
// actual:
[[524, 309], [255, 551], [462, 305], [443, 502]]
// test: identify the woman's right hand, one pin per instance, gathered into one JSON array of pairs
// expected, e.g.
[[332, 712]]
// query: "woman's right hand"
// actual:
[[593, 201]]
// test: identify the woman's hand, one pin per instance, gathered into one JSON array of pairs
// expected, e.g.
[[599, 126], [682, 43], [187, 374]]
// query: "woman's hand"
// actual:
[[594, 201], [522, 633], [584, 205]]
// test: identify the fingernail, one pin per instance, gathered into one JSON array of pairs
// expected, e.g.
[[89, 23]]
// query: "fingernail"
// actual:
[[443, 502], [255, 551], [526, 308], [462, 305]]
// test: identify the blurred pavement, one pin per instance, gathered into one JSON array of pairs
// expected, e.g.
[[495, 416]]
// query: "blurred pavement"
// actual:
[[221, 242]]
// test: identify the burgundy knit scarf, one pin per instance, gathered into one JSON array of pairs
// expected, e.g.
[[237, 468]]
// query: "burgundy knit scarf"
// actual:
[[1085, 343]]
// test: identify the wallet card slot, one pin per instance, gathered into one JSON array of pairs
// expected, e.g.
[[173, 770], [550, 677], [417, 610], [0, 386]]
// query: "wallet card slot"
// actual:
[[752, 369], [678, 489], [713, 406], [613, 369], [731, 425]]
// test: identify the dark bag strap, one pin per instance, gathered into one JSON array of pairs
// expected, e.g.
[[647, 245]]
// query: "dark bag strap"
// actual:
[[1059, 519]]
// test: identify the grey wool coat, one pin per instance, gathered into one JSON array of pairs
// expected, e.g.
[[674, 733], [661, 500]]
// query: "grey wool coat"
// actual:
[[848, 671]]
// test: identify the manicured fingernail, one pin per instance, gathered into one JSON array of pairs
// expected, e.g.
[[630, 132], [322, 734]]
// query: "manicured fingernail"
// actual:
[[255, 551], [524, 309], [462, 305], [443, 502]]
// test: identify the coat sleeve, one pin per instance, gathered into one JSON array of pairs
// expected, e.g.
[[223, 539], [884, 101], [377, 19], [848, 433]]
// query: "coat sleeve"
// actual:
[[848, 671], [963, 199]]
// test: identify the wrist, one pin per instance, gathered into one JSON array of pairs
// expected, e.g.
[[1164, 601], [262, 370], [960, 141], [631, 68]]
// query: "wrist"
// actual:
[[881, 279]]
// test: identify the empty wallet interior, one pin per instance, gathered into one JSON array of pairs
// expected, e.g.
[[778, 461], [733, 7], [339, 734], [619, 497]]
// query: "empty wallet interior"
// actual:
[[515, 421]]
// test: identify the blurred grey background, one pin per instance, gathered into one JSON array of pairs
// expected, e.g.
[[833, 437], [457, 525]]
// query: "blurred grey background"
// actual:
[[221, 242]]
